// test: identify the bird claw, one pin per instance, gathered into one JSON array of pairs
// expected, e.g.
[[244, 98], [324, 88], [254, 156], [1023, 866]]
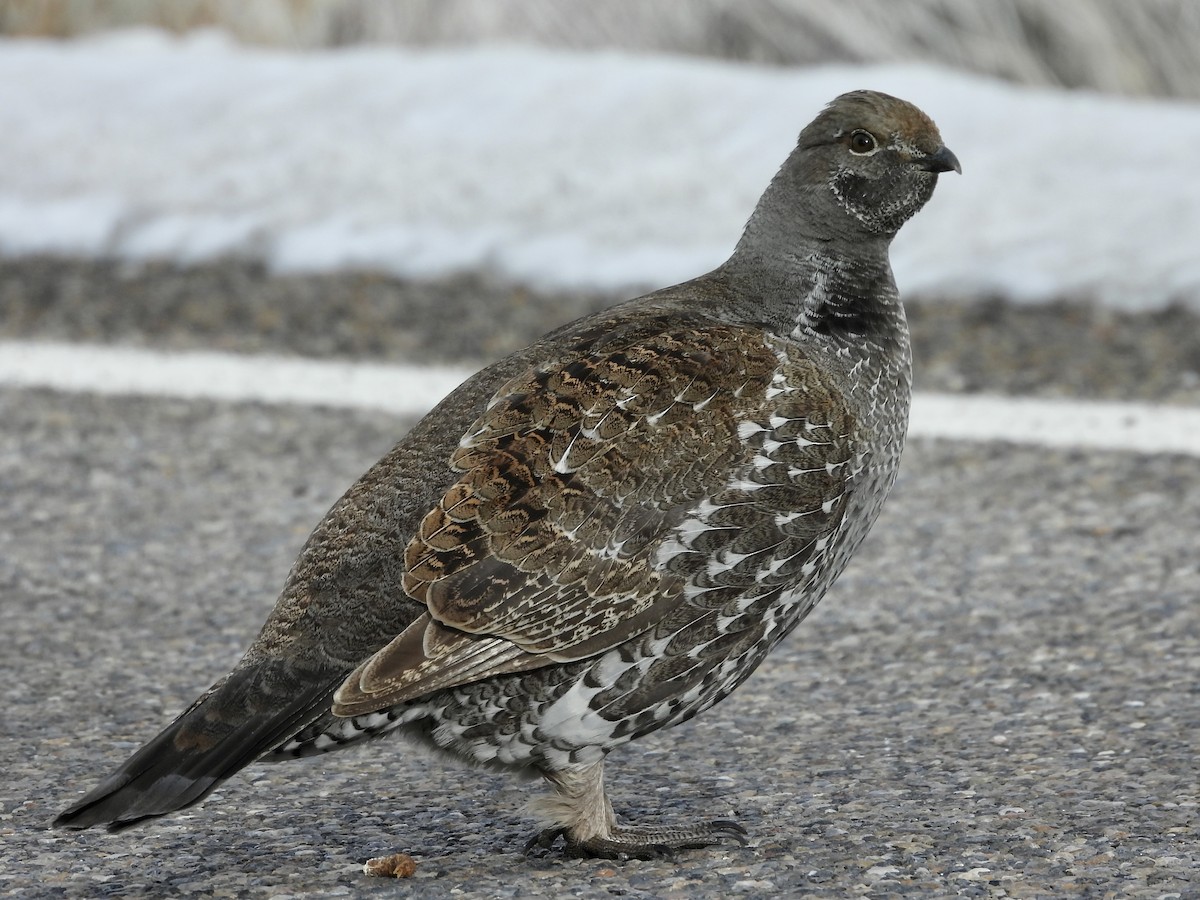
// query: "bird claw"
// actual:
[[730, 828], [544, 839]]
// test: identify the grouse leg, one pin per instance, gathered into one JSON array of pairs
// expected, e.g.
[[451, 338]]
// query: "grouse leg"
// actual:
[[581, 814]]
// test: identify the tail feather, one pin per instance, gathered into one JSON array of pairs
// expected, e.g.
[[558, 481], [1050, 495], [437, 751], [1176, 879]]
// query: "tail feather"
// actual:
[[250, 712]]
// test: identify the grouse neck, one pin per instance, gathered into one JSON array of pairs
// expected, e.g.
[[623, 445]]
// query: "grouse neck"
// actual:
[[844, 299]]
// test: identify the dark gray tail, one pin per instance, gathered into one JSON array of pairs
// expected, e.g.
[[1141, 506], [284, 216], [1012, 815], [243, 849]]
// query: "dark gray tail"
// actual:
[[253, 710]]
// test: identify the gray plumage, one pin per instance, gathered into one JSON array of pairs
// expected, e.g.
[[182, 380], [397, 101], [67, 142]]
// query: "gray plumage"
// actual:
[[605, 533]]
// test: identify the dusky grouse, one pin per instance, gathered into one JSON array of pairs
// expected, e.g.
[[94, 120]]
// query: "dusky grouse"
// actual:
[[603, 534]]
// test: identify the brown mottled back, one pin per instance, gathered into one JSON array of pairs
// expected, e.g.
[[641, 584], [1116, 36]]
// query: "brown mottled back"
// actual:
[[552, 538]]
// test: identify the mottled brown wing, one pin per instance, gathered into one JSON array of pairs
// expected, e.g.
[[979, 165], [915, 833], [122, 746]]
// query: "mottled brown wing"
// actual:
[[548, 547]]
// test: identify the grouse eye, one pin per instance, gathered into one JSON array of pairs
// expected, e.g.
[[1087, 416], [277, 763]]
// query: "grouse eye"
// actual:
[[862, 142]]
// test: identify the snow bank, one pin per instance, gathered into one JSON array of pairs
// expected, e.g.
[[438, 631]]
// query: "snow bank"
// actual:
[[601, 170]]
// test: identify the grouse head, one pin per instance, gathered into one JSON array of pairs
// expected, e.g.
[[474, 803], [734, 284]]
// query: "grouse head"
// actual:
[[875, 158]]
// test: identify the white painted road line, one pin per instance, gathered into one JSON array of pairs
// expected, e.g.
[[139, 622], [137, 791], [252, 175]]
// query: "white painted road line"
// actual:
[[405, 390], [412, 390], [1095, 425]]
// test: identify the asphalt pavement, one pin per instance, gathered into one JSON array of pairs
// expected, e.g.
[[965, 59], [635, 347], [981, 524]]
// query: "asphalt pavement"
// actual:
[[1001, 697]]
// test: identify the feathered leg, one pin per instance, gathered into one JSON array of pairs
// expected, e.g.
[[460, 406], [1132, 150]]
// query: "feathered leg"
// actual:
[[580, 813]]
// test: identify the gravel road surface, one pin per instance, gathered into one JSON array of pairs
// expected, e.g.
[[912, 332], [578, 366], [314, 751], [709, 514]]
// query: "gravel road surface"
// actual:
[[1001, 698]]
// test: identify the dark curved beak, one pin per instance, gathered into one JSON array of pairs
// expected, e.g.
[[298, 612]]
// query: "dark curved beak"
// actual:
[[942, 161]]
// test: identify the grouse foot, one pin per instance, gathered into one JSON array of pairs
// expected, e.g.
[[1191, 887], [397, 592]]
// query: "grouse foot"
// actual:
[[579, 813], [641, 841]]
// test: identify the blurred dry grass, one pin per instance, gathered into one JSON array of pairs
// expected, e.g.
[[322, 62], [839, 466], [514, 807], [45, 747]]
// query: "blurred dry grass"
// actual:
[[282, 22], [1123, 46]]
